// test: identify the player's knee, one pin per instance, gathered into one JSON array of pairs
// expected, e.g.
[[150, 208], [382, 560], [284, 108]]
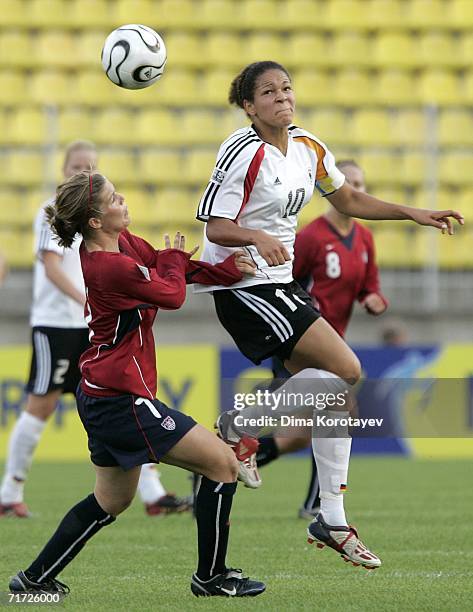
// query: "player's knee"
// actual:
[[351, 370], [115, 505], [225, 467]]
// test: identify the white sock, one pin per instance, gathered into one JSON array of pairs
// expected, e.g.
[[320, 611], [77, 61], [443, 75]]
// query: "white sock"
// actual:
[[332, 456], [23, 441], [150, 488]]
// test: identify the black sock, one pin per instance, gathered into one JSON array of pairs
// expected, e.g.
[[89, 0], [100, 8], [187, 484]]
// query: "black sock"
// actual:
[[312, 499], [79, 525], [267, 451], [212, 511]]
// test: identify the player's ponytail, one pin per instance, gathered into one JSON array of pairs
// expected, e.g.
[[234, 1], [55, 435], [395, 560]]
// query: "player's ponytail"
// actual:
[[76, 203], [243, 85]]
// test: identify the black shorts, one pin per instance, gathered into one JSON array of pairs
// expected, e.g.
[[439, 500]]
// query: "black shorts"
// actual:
[[127, 430], [266, 320], [55, 359]]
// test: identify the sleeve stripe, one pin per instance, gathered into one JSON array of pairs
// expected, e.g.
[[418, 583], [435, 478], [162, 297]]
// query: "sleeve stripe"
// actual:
[[205, 205]]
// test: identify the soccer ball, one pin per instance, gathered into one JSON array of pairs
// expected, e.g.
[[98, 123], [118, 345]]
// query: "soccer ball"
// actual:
[[134, 56]]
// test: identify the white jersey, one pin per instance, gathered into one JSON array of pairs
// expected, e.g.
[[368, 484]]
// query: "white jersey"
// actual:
[[51, 307], [259, 188]]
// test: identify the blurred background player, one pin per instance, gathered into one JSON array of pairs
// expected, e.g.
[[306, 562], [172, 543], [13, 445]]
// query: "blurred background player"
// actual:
[[335, 262], [59, 337]]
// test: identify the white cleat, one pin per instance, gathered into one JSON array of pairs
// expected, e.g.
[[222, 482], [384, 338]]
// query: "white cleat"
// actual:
[[343, 540]]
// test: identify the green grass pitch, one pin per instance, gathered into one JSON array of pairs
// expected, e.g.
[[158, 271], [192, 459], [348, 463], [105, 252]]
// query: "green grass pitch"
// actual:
[[415, 514]]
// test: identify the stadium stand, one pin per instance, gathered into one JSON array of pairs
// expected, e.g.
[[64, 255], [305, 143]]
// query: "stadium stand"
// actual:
[[378, 80]]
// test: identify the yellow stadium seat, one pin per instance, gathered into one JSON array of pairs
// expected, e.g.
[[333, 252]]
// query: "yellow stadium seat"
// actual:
[[177, 88], [414, 169], [410, 127], [456, 168], [114, 126], [27, 126], [23, 168], [14, 14], [395, 87], [17, 246], [231, 121], [440, 200], [466, 93], [119, 167], [382, 14], [460, 14], [223, 49], [465, 52], [255, 14], [162, 168], [199, 166], [3, 127], [455, 127], [394, 49], [393, 247], [138, 202], [215, 85], [92, 14], [74, 124], [352, 87], [156, 127], [302, 14], [349, 48], [425, 14], [173, 205], [185, 49], [176, 14], [393, 195], [371, 127], [456, 253], [330, 125], [200, 127], [12, 86], [261, 46], [313, 87], [464, 203], [34, 198], [439, 49], [218, 15], [345, 14], [381, 168], [51, 87], [17, 49], [306, 49], [136, 11], [12, 208], [49, 14], [56, 49], [439, 87], [89, 45], [92, 88]]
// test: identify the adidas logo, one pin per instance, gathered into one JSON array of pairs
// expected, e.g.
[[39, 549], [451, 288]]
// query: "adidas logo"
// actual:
[[148, 73], [277, 181]]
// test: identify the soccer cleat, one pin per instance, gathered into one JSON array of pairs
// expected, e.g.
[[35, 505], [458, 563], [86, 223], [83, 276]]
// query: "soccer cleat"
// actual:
[[230, 584], [344, 540], [19, 510], [305, 513], [168, 504], [21, 584], [244, 448]]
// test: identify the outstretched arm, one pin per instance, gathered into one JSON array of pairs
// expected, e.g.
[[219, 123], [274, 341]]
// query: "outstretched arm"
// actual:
[[364, 206]]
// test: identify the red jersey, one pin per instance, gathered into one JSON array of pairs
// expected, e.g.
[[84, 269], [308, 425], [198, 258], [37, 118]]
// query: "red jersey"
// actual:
[[339, 269], [124, 291]]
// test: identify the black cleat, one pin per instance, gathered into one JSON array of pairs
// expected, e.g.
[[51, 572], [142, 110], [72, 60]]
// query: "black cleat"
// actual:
[[21, 584], [230, 584]]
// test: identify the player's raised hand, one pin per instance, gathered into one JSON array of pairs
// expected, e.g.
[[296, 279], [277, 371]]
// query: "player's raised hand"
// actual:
[[271, 249], [441, 219], [179, 243], [244, 263]]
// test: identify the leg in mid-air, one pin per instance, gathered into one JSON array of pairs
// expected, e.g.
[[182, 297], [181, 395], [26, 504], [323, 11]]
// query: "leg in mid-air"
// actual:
[[321, 358], [157, 501], [24, 439]]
